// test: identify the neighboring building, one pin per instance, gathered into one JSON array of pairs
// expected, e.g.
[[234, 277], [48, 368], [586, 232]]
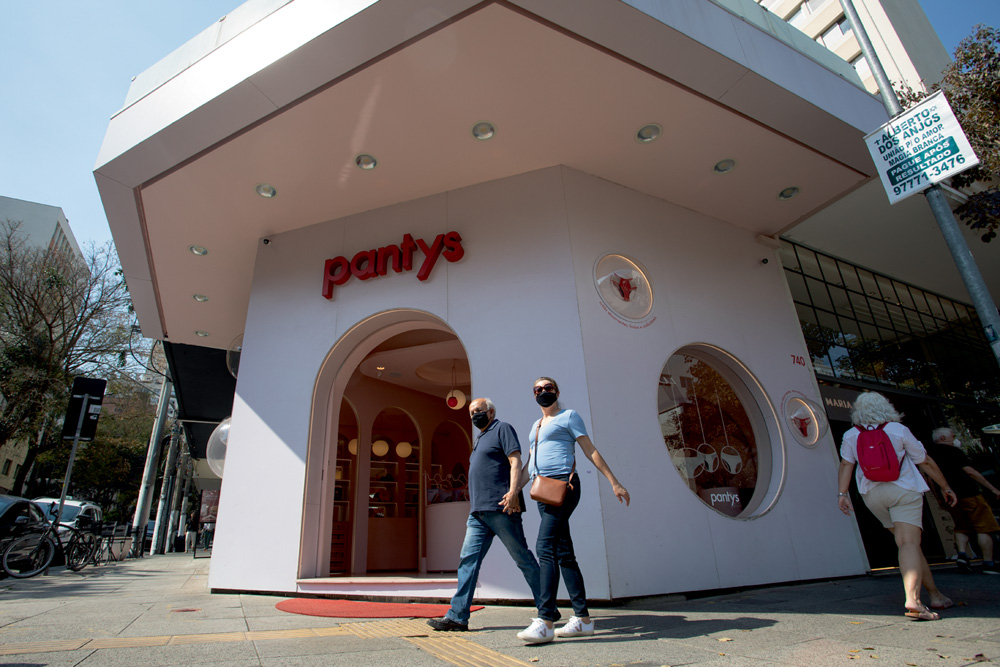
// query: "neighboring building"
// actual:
[[592, 191], [12, 456], [873, 319], [906, 44], [153, 377], [42, 226]]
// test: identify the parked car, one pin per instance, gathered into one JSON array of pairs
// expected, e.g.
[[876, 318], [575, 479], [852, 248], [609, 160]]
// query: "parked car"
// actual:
[[11, 509], [18, 515], [80, 514]]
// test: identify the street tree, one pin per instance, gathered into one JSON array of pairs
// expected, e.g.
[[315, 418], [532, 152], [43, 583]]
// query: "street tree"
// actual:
[[109, 468], [59, 317], [972, 85]]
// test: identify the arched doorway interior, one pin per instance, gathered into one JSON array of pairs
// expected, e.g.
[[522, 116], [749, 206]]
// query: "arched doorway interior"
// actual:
[[384, 393]]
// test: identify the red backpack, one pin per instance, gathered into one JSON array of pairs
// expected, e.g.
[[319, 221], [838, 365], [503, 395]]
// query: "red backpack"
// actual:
[[876, 455]]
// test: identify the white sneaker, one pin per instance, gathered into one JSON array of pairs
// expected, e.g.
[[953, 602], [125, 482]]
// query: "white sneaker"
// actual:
[[575, 628], [536, 633]]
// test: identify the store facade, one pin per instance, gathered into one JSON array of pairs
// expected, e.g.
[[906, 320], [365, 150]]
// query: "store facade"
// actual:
[[927, 352], [612, 224]]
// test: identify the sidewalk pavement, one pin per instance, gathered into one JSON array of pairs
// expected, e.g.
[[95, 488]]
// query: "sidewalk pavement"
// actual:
[[158, 611]]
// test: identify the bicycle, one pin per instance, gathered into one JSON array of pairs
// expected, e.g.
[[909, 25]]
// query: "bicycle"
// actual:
[[33, 552]]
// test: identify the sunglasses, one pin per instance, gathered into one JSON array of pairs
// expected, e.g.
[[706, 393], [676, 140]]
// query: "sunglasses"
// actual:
[[544, 387]]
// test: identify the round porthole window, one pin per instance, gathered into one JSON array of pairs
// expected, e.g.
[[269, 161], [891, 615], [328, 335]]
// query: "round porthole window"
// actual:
[[623, 286], [716, 434], [805, 420]]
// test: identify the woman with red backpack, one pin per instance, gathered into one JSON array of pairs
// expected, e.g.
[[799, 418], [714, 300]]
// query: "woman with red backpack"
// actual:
[[887, 456]]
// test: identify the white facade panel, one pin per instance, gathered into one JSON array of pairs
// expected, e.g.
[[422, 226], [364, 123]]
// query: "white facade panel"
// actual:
[[522, 302]]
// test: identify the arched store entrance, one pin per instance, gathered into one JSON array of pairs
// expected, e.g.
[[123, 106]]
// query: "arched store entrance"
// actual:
[[387, 448]]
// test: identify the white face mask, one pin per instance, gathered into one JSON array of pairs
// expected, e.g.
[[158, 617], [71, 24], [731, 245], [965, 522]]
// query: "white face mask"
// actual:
[[956, 443]]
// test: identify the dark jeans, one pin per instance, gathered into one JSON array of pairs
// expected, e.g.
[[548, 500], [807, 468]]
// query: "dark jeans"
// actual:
[[480, 530], [554, 548]]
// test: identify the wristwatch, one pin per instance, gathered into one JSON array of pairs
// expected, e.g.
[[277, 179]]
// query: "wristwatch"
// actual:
[[844, 495]]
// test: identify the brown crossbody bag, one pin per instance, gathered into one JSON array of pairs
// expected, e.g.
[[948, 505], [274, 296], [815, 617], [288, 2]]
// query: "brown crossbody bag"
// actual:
[[548, 490]]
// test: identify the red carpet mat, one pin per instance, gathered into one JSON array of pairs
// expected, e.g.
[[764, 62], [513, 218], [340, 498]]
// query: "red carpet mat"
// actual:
[[360, 609]]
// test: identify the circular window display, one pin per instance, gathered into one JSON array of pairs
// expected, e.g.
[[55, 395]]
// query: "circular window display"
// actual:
[[805, 419], [714, 431], [623, 286]]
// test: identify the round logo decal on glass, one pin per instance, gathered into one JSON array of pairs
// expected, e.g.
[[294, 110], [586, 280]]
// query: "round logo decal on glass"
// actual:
[[804, 419], [623, 287]]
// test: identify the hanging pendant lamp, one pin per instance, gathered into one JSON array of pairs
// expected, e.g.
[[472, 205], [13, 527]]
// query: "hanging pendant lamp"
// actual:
[[456, 397]]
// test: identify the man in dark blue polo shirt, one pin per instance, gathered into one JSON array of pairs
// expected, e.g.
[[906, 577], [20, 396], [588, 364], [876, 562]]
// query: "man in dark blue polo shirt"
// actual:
[[496, 506]]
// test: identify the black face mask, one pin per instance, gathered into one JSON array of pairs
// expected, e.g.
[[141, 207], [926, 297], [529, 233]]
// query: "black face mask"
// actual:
[[480, 419], [545, 399]]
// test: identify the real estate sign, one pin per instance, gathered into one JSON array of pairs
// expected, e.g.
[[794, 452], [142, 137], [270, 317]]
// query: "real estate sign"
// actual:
[[920, 147]]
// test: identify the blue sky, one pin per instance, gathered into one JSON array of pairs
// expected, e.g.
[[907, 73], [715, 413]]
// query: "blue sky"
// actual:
[[68, 64]]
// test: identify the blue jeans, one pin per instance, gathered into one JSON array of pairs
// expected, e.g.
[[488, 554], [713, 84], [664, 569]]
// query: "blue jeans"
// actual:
[[555, 554], [480, 530]]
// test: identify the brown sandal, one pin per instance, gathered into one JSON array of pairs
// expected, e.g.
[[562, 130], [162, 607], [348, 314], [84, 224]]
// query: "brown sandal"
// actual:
[[922, 614]]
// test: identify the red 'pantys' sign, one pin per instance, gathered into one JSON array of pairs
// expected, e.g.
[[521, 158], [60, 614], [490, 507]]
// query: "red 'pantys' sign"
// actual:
[[375, 262]]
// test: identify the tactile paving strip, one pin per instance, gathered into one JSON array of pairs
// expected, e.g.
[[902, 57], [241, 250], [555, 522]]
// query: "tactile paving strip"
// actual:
[[464, 653], [164, 640], [397, 627], [444, 646], [42, 647]]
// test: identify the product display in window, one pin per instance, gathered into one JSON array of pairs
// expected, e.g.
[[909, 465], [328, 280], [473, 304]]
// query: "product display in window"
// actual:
[[710, 437]]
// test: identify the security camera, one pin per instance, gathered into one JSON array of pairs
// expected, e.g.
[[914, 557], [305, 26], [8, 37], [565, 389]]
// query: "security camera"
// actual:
[[266, 241]]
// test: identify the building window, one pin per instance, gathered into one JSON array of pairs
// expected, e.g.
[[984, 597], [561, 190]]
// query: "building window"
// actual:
[[714, 431], [836, 34], [799, 18], [868, 328], [862, 67], [6, 467]]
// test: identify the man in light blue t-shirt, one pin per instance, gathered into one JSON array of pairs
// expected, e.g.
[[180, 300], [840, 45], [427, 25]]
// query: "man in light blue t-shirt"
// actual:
[[495, 511]]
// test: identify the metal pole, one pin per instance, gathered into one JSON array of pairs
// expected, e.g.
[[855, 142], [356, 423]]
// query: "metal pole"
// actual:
[[175, 502], [163, 509], [72, 457], [183, 527], [142, 505], [983, 302]]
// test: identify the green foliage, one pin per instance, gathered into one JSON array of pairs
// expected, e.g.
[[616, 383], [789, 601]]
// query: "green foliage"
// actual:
[[108, 470], [59, 317], [972, 85]]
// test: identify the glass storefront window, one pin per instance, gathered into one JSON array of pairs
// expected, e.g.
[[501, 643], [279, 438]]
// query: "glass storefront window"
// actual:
[[714, 432], [863, 326]]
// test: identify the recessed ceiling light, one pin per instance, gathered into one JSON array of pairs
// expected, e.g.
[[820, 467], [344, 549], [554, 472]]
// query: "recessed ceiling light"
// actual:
[[788, 193], [266, 190], [202, 334], [199, 250], [724, 166], [200, 298], [380, 368], [366, 161], [484, 130], [648, 133]]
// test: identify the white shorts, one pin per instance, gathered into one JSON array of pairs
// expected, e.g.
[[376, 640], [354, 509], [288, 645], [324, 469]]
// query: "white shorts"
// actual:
[[893, 504]]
